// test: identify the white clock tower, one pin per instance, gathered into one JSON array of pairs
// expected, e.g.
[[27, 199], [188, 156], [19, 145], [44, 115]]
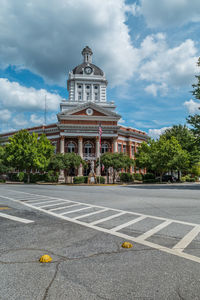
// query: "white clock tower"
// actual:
[[86, 83]]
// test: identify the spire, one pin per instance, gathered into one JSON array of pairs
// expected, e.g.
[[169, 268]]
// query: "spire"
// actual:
[[87, 55]]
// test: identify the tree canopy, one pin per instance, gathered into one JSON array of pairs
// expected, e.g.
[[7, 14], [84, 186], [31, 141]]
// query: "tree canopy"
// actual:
[[162, 155], [26, 151]]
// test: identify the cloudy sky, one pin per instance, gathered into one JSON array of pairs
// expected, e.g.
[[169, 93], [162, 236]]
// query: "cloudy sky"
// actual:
[[147, 48]]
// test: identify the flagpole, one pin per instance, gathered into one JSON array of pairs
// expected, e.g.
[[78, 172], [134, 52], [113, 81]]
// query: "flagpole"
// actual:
[[99, 158], [100, 133]]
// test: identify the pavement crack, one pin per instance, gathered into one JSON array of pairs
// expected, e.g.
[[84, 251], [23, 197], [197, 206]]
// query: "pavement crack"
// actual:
[[51, 282]]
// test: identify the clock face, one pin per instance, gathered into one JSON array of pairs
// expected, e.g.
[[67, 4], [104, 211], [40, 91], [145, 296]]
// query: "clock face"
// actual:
[[88, 70], [89, 111]]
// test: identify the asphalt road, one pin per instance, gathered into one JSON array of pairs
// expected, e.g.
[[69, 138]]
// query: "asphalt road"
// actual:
[[83, 228]]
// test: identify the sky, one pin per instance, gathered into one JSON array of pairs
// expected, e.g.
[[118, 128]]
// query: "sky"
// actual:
[[148, 50]]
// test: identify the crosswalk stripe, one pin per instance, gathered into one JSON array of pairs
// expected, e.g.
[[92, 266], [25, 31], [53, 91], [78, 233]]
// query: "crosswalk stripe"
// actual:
[[154, 230], [187, 239], [107, 218], [90, 214], [117, 228], [62, 207], [14, 218], [54, 204], [72, 211]]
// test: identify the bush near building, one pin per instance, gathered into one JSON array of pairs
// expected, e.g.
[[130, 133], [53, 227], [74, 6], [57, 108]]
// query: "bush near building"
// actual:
[[126, 177]]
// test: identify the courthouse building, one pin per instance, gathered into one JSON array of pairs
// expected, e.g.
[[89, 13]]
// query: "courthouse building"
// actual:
[[77, 129]]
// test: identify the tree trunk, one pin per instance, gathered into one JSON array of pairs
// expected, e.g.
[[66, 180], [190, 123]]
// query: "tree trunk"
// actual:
[[28, 177]]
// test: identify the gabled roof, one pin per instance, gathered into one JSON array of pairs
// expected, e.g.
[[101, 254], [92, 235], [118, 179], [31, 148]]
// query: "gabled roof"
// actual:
[[95, 107]]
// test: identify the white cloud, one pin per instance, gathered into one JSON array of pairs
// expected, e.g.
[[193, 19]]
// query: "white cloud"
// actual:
[[47, 36], [192, 106], [122, 121], [15, 96], [5, 115], [37, 120], [155, 133], [168, 13], [165, 66], [155, 88]]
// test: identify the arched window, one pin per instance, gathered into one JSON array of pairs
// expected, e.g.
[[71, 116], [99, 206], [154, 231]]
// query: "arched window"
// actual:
[[104, 148], [88, 148], [71, 147]]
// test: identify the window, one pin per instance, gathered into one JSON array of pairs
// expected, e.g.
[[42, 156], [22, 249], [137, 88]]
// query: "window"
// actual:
[[79, 96], [88, 96], [96, 96], [87, 87], [132, 150], [71, 147], [79, 86], [124, 148], [96, 87], [88, 149], [119, 148], [104, 148]]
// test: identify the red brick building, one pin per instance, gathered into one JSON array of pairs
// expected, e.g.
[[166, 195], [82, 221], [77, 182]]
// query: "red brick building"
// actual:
[[77, 129]]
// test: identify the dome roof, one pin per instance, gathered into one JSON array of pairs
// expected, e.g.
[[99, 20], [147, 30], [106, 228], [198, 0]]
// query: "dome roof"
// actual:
[[79, 69]]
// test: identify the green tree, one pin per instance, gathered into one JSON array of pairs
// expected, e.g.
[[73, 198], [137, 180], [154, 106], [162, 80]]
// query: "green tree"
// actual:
[[196, 86], [194, 120], [26, 152], [72, 160], [186, 139], [56, 162], [117, 161], [162, 155], [3, 166]]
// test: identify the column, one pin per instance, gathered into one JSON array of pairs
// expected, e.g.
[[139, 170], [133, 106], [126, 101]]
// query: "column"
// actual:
[[115, 146], [84, 96], [92, 93], [97, 156], [61, 177], [62, 144], [80, 152]]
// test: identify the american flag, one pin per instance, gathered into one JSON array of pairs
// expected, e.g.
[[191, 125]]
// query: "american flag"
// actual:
[[100, 134]]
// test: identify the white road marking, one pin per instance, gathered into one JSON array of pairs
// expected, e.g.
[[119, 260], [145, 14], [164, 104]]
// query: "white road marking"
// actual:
[[107, 218], [14, 218], [61, 207], [187, 239], [90, 214], [72, 211], [154, 230], [54, 204], [46, 201], [114, 232], [117, 228]]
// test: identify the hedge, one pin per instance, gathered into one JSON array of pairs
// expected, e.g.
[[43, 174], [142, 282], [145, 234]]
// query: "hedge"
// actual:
[[126, 177], [138, 176]]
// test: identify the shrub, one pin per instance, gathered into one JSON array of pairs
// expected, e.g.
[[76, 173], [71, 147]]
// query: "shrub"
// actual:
[[183, 179], [138, 176], [51, 176], [126, 177], [85, 179], [20, 176], [79, 179], [148, 176], [150, 180], [102, 179]]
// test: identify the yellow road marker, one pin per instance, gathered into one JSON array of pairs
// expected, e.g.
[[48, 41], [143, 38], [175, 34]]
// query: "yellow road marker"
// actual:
[[127, 245], [45, 258], [4, 207]]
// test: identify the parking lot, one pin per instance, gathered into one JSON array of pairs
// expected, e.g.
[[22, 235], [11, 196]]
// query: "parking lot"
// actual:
[[83, 228]]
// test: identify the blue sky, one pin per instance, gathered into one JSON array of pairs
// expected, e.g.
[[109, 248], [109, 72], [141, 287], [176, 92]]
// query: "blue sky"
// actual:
[[148, 50]]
